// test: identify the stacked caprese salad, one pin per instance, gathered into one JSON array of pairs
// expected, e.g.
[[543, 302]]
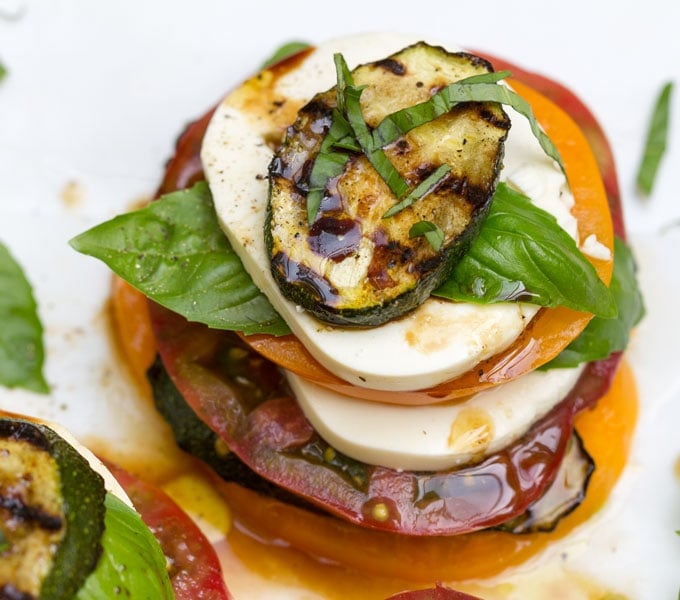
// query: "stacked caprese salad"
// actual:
[[385, 279]]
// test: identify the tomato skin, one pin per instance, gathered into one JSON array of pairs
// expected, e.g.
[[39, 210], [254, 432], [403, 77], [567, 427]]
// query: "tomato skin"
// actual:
[[195, 570], [247, 404], [439, 592]]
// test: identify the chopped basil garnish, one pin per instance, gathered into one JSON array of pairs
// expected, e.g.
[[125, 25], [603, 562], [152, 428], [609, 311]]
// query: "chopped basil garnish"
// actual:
[[655, 145], [349, 104], [21, 345], [174, 251], [332, 156], [522, 253], [4, 542], [329, 163], [474, 89], [399, 123], [284, 52], [431, 231], [425, 187], [601, 337]]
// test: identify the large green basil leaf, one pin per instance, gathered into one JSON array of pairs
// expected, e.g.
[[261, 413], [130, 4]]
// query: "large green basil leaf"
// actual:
[[174, 252], [521, 253], [21, 345], [132, 564], [603, 336]]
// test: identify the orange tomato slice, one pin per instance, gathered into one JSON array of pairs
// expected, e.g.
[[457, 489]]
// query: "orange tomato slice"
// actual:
[[606, 430], [548, 333]]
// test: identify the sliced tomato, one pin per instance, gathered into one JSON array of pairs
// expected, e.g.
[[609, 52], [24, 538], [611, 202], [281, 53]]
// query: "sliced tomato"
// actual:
[[195, 570], [245, 401], [607, 432], [439, 592]]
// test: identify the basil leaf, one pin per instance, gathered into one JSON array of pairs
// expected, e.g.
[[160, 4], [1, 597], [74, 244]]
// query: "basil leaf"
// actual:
[[402, 121], [349, 97], [601, 336], [286, 50], [521, 253], [174, 252], [431, 231], [4, 542], [655, 145], [132, 564], [399, 123], [425, 187], [329, 162], [3, 71], [21, 345]]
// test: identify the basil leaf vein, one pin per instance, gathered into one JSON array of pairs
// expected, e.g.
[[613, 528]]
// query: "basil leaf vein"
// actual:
[[22, 353], [655, 144], [175, 253], [602, 337], [521, 253]]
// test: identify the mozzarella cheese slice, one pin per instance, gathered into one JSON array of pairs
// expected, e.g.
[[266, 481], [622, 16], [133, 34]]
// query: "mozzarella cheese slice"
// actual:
[[438, 341], [435, 437]]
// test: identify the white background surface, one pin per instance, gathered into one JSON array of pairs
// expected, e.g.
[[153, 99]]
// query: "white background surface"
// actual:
[[98, 91]]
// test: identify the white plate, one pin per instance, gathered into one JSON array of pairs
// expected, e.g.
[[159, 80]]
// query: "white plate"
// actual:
[[97, 93]]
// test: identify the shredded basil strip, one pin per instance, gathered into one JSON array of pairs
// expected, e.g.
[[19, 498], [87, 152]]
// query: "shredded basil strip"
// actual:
[[329, 162], [655, 145], [399, 123], [349, 97], [402, 121], [4, 542], [425, 187], [601, 336], [431, 231], [22, 352], [521, 253], [286, 50], [175, 252], [476, 88]]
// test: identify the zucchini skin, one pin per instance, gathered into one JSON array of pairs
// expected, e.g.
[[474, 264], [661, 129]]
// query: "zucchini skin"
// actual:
[[58, 570], [352, 267]]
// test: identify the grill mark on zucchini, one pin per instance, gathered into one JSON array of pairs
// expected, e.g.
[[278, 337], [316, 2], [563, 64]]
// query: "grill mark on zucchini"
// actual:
[[9, 592], [379, 273], [32, 515]]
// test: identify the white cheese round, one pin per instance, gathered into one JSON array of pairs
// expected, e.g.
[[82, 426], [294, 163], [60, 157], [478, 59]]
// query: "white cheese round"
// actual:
[[438, 341], [439, 436]]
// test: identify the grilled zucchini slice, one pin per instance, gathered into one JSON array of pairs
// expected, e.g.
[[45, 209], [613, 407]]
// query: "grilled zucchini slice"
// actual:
[[352, 266], [51, 513]]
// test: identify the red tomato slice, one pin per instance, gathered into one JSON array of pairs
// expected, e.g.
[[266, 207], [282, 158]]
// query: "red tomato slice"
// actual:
[[195, 570], [245, 401], [439, 592]]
